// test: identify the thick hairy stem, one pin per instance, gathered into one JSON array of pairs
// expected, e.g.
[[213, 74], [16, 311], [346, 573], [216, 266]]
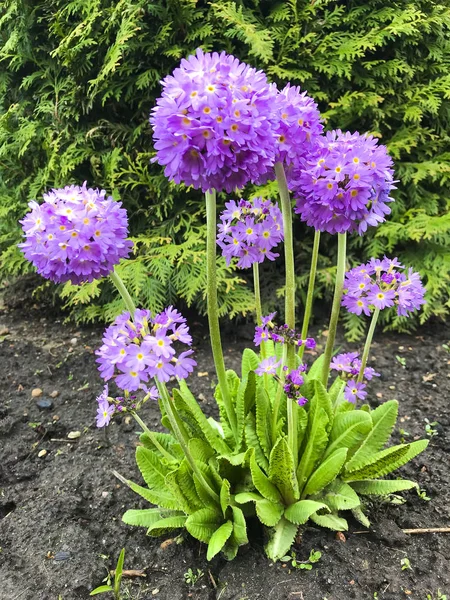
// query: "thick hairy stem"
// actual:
[[213, 309], [310, 294], [368, 343], [338, 288], [131, 308]]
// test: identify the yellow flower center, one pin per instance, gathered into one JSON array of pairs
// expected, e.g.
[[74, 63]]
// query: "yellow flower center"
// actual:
[[234, 127], [354, 193], [207, 110]]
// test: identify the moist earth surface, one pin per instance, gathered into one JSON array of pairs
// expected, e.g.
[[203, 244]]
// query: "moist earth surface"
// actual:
[[61, 506]]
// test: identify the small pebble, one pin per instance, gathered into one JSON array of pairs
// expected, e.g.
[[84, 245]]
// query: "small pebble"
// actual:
[[36, 393], [202, 374], [44, 403], [54, 394], [59, 556], [105, 494], [155, 591], [73, 435], [42, 453], [74, 341]]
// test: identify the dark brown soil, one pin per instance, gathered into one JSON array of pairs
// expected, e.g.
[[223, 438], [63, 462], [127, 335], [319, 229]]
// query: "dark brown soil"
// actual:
[[60, 515]]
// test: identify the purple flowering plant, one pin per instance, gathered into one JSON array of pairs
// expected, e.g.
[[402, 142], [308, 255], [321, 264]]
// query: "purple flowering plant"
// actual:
[[290, 444]]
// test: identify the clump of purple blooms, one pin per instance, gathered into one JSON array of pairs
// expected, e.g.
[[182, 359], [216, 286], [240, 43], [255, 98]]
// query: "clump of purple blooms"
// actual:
[[348, 364], [299, 125], [380, 284], [280, 334], [345, 184], [105, 410], [108, 407], [137, 350], [249, 231], [76, 234], [214, 126], [293, 382]]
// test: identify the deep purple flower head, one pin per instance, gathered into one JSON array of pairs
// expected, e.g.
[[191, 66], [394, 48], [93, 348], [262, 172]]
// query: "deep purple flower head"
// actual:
[[345, 184], [214, 125], [76, 234], [268, 366], [293, 382], [105, 410], [382, 284], [299, 125], [280, 334], [135, 351], [354, 390], [249, 231]]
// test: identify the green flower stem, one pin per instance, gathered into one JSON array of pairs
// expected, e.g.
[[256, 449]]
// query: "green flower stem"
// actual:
[[288, 257], [338, 288], [257, 293], [368, 343], [310, 294], [213, 309], [123, 292], [152, 437], [183, 438]]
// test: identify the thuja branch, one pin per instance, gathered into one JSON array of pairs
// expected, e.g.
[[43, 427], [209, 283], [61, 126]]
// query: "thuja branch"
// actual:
[[212, 305], [338, 289]]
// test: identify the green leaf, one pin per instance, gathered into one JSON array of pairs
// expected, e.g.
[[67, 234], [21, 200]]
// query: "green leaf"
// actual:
[[159, 497], [151, 466], [225, 496], [282, 471], [245, 400], [281, 538], [360, 516], [145, 517], [101, 590], [326, 472], [340, 496], [262, 483], [167, 441], [330, 522], [386, 461], [200, 450], [250, 362], [268, 512], [316, 440], [315, 371], [302, 424], [181, 483], [301, 511], [165, 525], [349, 429], [383, 420], [219, 539], [252, 441], [118, 574], [203, 523], [322, 400], [336, 391], [263, 420], [382, 487], [190, 404], [239, 526]]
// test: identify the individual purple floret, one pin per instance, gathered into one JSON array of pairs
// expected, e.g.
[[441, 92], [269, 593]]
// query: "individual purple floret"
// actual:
[[133, 352], [354, 390], [249, 231], [105, 410], [345, 184], [76, 234], [268, 366], [380, 284], [214, 126], [299, 125]]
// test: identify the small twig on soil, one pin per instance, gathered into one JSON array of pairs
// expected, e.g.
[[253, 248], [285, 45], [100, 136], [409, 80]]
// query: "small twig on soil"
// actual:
[[213, 581], [68, 441], [428, 530], [130, 573], [385, 589]]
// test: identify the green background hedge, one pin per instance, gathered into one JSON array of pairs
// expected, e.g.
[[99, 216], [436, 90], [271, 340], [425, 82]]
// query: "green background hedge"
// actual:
[[78, 79]]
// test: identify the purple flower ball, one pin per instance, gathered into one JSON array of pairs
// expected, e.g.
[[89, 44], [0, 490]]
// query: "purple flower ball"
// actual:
[[345, 184], [135, 351], [76, 234], [214, 125]]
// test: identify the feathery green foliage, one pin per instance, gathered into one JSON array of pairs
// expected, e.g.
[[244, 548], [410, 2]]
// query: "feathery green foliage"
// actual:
[[78, 79]]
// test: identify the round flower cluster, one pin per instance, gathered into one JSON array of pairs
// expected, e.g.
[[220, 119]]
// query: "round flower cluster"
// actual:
[[249, 231], [345, 184], [108, 407], [135, 351], [299, 125], [349, 365], [214, 126], [293, 382], [379, 284], [280, 334], [77, 234]]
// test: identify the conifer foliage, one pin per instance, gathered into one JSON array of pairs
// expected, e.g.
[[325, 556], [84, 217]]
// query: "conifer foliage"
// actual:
[[78, 79]]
